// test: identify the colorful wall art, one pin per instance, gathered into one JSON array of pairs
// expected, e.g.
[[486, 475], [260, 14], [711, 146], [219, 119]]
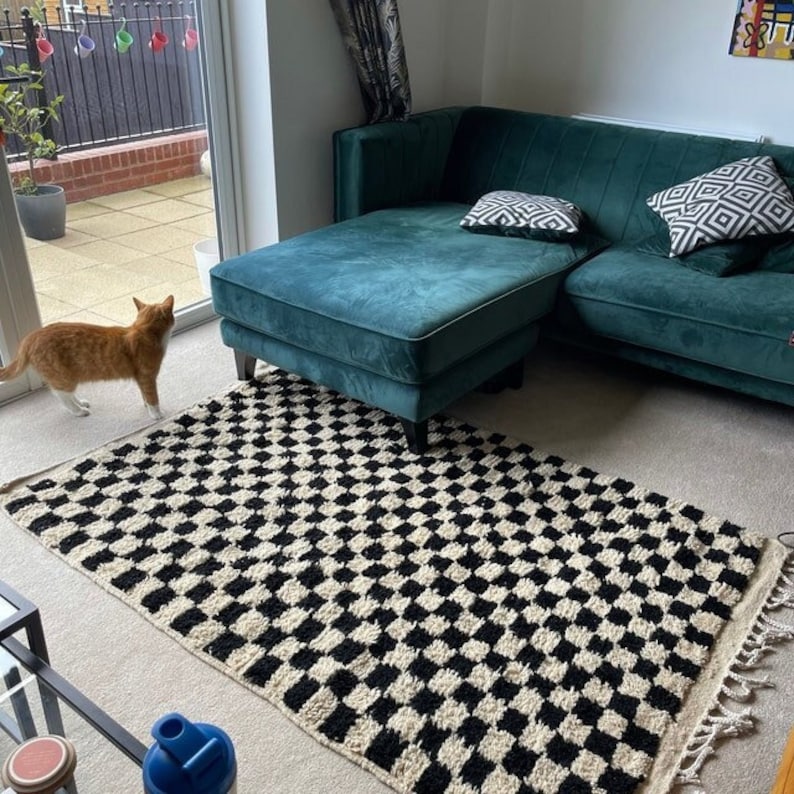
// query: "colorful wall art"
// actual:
[[763, 30]]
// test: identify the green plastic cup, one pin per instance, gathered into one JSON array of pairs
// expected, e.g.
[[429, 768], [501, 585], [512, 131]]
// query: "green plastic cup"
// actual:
[[123, 41]]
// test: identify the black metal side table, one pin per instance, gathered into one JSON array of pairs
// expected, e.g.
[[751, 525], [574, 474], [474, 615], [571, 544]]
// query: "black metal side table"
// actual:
[[34, 694], [17, 613]]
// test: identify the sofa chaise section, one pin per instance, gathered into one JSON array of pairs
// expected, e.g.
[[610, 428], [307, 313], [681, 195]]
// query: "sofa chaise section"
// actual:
[[400, 308]]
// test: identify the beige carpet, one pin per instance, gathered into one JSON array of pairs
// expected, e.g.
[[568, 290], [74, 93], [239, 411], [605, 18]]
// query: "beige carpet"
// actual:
[[728, 455]]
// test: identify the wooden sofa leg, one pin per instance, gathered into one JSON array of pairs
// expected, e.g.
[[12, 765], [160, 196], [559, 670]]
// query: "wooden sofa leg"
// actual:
[[415, 435], [245, 365]]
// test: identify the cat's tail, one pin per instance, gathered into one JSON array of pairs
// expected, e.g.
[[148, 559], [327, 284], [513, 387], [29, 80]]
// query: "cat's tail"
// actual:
[[17, 366]]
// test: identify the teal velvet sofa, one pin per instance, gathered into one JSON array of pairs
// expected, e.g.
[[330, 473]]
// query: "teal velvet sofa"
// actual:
[[398, 306]]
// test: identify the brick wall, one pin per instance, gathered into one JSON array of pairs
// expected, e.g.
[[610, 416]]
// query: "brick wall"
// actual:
[[126, 166]]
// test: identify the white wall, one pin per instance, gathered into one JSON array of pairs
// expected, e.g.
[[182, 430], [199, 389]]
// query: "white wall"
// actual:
[[662, 61], [312, 92], [462, 39], [423, 23], [255, 173]]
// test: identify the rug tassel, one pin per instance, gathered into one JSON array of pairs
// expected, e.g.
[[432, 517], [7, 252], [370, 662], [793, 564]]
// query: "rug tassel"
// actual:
[[713, 728], [740, 687], [722, 722], [766, 633], [783, 593]]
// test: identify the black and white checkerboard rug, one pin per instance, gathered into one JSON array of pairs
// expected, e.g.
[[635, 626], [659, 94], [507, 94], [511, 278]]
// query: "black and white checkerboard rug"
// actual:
[[483, 619]]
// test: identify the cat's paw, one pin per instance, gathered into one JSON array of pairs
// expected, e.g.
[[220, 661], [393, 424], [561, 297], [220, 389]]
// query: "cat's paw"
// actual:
[[154, 411], [82, 403], [71, 403]]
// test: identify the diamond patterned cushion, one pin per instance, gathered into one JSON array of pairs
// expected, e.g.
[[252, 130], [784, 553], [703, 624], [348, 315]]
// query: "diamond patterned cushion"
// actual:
[[523, 214], [740, 199]]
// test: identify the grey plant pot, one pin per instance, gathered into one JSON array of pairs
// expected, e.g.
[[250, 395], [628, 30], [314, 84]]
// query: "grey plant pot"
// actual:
[[43, 215]]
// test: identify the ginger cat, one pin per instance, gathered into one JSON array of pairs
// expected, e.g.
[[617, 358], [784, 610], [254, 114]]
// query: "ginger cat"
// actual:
[[65, 354]]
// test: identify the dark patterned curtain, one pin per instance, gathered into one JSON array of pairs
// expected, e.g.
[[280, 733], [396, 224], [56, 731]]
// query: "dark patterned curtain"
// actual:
[[372, 36]]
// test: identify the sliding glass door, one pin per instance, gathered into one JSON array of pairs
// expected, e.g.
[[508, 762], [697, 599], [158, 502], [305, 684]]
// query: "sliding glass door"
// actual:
[[39, 282]]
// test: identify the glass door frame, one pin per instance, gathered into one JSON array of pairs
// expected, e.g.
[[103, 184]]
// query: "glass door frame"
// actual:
[[217, 67], [214, 24], [19, 311]]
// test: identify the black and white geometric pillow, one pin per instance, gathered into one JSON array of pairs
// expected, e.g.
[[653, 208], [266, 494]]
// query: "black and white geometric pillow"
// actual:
[[525, 214], [740, 199]]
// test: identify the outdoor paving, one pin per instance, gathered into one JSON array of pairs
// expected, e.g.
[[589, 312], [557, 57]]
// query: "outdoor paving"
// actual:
[[138, 243]]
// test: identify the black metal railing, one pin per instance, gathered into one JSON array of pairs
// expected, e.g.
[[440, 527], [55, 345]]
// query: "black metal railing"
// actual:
[[128, 74]]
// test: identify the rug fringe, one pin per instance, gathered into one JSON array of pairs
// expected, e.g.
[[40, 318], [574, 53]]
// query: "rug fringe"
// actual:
[[724, 721]]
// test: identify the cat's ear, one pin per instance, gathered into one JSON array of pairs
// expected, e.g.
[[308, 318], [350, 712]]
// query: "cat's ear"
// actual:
[[169, 303], [138, 304]]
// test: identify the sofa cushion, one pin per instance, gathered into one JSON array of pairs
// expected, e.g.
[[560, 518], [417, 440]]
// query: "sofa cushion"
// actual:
[[742, 323], [718, 259], [519, 214], [746, 197], [404, 293], [780, 257]]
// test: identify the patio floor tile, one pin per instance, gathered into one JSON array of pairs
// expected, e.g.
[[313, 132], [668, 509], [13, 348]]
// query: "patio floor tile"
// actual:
[[95, 318], [88, 288], [166, 210], [181, 187], [84, 209], [204, 198], [127, 199], [55, 310], [138, 243], [159, 270], [71, 239], [106, 252], [203, 224], [183, 255], [48, 263], [112, 224], [122, 311], [157, 239]]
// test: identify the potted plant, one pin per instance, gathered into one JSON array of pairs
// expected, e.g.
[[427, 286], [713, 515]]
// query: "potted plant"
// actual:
[[42, 208]]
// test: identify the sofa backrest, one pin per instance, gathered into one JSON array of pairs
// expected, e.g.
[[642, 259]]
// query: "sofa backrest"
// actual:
[[391, 163], [607, 170]]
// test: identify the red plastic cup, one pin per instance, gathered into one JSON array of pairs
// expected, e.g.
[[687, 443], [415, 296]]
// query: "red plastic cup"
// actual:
[[158, 40], [191, 39], [45, 49]]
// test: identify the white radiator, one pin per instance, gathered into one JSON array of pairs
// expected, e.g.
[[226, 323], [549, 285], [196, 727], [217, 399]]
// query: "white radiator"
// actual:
[[652, 125]]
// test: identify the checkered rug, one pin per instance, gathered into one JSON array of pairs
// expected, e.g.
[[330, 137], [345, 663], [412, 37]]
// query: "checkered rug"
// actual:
[[486, 618]]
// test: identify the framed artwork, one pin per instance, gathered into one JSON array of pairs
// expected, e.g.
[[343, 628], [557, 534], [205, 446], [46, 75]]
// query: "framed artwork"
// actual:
[[763, 30]]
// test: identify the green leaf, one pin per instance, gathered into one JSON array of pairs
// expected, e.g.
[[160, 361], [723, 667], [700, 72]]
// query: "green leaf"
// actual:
[[21, 116]]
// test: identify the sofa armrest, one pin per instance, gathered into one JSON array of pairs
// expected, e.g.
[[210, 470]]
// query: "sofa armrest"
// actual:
[[391, 163]]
